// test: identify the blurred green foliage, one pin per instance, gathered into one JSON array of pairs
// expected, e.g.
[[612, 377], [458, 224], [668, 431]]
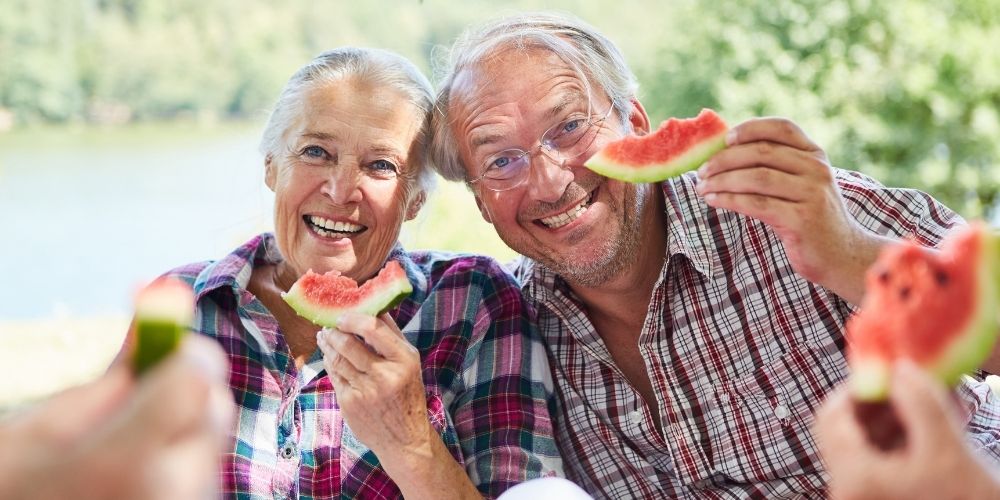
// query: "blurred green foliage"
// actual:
[[905, 90]]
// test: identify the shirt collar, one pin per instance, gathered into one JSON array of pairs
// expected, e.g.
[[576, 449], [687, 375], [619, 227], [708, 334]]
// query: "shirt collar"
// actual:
[[234, 270]]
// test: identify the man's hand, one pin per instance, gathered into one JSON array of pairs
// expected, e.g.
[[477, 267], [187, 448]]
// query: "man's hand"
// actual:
[[773, 172]]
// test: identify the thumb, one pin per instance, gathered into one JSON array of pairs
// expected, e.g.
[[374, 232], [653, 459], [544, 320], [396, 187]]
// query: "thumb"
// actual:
[[922, 406]]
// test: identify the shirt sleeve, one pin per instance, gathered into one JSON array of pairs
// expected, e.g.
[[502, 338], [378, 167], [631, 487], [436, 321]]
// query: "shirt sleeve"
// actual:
[[896, 212], [502, 411]]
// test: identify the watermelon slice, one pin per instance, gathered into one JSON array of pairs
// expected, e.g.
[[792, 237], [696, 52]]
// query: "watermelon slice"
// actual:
[[939, 309], [164, 310], [678, 146], [323, 298]]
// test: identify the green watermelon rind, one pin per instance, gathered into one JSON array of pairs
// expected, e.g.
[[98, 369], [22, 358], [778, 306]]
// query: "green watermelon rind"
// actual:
[[379, 301], [871, 375], [656, 172], [968, 352], [163, 313]]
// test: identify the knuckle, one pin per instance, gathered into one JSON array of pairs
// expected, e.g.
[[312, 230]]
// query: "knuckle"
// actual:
[[762, 175], [764, 148]]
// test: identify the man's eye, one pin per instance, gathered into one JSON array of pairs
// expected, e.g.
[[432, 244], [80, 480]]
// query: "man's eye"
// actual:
[[571, 126], [500, 163]]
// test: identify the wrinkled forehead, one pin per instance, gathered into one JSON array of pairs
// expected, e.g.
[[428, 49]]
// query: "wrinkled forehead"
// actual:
[[507, 70]]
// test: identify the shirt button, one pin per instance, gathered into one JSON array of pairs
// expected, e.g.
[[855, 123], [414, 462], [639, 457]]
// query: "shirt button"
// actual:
[[635, 417], [288, 451], [781, 411]]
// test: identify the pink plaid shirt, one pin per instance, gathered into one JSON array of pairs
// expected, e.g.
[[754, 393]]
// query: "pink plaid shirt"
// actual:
[[739, 348]]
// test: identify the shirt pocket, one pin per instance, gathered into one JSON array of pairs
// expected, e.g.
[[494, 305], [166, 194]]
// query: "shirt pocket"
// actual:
[[763, 429]]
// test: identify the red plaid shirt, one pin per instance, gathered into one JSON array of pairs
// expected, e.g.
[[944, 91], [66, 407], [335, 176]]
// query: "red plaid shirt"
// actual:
[[488, 385], [739, 348]]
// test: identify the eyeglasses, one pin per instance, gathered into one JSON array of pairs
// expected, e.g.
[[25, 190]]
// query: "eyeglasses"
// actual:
[[568, 139]]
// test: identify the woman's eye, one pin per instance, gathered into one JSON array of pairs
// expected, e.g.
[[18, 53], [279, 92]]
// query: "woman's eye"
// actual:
[[315, 153], [384, 167]]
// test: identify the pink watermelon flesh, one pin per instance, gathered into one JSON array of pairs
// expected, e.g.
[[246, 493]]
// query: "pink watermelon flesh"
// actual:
[[938, 309], [678, 146], [323, 298]]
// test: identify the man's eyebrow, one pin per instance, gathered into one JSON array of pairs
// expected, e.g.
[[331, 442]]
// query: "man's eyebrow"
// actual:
[[485, 139], [565, 100]]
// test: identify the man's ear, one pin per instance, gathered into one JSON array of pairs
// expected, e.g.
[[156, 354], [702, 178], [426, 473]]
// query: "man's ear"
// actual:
[[483, 210], [638, 119], [416, 203], [270, 172]]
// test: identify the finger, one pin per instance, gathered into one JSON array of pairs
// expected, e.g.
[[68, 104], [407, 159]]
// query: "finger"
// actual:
[[380, 333], [774, 212], [759, 180], [772, 129], [348, 348], [922, 406], [337, 364], [761, 153], [837, 430]]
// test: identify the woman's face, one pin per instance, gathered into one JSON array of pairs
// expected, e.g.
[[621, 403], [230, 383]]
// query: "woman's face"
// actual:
[[343, 180]]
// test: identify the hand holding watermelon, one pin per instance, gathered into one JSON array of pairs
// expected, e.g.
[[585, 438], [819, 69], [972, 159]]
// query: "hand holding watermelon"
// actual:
[[771, 171], [377, 379], [929, 457]]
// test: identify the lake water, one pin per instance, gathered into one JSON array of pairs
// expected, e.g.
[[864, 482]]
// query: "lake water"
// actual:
[[87, 215]]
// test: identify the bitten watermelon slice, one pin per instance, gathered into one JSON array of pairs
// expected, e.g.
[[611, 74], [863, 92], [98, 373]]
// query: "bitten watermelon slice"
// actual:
[[678, 146], [323, 298], [164, 310], [938, 309]]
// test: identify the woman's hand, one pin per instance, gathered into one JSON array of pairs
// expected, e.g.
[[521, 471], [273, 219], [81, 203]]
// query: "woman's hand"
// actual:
[[376, 376]]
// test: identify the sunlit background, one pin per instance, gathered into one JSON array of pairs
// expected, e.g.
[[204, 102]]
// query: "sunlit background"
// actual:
[[128, 128]]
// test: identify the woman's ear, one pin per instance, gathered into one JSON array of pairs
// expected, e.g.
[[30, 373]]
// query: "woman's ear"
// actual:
[[416, 203], [270, 172]]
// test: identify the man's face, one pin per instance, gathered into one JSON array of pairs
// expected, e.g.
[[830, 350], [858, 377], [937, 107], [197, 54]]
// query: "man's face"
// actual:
[[579, 224]]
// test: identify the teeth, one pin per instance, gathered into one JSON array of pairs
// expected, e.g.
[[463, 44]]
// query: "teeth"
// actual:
[[319, 224], [566, 217]]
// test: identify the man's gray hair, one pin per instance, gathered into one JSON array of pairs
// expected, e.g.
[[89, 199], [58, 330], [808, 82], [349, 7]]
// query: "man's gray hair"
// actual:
[[373, 66], [580, 45]]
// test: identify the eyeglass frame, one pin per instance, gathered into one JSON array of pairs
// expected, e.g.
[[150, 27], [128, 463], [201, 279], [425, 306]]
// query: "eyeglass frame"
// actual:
[[542, 145]]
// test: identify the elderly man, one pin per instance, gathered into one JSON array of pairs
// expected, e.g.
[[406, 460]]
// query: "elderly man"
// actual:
[[695, 324]]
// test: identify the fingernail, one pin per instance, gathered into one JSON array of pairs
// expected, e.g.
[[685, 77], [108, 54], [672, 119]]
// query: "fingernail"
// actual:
[[710, 197], [731, 137], [703, 170], [355, 321]]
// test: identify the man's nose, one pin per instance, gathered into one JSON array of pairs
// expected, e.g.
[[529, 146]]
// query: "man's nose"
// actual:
[[547, 177]]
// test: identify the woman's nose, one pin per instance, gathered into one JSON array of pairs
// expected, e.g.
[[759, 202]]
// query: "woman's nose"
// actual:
[[343, 185]]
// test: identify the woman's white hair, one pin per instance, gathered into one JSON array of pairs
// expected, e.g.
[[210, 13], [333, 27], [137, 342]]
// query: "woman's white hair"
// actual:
[[594, 57], [372, 66]]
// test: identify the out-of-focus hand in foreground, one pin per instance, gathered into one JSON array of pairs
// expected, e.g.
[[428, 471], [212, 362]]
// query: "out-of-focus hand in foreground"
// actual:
[[155, 436], [929, 460]]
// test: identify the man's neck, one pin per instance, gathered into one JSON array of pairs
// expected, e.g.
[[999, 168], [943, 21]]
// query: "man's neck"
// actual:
[[624, 299]]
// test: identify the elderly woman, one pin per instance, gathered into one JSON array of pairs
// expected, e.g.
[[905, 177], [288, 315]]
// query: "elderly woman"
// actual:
[[447, 395]]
